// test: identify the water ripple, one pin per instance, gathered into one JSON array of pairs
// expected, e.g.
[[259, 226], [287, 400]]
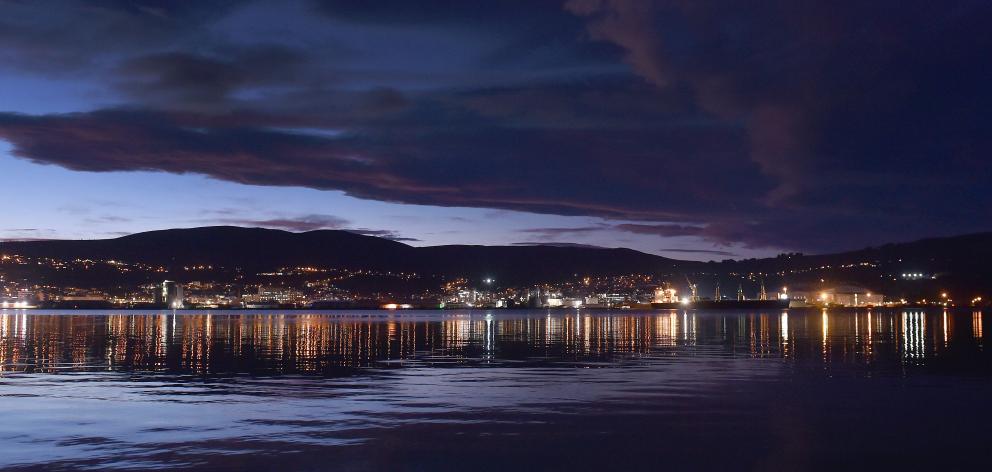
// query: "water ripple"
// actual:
[[446, 391]]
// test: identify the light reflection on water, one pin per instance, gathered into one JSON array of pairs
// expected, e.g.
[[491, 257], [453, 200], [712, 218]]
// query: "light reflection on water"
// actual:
[[396, 390]]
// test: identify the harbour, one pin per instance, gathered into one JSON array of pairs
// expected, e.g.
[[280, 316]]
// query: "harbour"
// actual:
[[486, 389]]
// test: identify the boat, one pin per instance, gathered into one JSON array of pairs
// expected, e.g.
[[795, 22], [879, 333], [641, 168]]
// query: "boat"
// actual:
[[665, 298], [722, 305]]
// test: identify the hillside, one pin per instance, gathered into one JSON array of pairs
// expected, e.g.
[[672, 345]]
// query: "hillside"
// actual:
[[258, 250], [961, 261]]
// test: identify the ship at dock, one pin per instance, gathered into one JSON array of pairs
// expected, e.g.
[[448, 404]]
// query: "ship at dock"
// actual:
[[667, 298], [726, 305]]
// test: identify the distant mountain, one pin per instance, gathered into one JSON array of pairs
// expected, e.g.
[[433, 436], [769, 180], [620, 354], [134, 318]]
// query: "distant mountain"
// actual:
[[256, 250], [962, 264], [524, 264], [961, 261], [251, 249], [970, 252]]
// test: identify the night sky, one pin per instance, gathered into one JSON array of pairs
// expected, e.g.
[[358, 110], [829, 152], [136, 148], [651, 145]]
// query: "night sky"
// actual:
[[691, 129]]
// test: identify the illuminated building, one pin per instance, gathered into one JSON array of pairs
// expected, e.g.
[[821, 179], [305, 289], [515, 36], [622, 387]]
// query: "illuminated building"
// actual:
[[665, 295], [850, 296], [274, 296], [170, 294], [554, 302]]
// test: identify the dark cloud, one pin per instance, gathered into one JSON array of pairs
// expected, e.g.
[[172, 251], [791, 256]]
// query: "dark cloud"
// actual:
[[451, 12], [199, 81], [298, 224], [630, 25], [382, 233], [557, 244], [662, 230], [793, 125], [456, 163], [77, 36], [698, 251], [554, 233], [828, 93], [312, 223], [665, 230], [27, 234]]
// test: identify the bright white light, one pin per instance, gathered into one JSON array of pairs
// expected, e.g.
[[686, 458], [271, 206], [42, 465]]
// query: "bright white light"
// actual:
[[685, 301]]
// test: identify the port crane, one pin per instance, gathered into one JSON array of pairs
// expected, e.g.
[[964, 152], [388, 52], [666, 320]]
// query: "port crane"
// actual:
[[692, 289]]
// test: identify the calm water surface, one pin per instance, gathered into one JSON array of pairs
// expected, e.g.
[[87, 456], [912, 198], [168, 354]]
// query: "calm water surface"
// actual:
[[477, 390]]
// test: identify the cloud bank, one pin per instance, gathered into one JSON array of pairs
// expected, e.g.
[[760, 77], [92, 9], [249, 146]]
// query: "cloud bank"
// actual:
[[794, 125]]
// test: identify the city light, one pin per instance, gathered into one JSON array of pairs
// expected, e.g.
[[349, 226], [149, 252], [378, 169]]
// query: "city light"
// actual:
[[397, 306], [311, 285]]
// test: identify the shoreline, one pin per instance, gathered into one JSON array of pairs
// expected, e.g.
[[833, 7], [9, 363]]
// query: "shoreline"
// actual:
[[549, 309]]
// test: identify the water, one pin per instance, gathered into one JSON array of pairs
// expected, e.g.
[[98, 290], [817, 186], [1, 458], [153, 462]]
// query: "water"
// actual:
[[495, 390]]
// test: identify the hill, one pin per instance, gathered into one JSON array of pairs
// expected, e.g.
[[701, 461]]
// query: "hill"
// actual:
[[258, 250], [960, 261]]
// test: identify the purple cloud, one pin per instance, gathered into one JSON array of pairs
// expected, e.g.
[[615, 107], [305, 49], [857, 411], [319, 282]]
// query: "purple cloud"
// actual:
[[813, 126]]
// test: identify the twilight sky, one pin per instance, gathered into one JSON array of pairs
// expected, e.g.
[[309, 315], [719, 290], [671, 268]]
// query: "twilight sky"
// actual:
[[692, 129]]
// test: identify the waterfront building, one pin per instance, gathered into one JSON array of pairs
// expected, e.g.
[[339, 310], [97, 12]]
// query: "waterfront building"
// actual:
[[267, 296], [553, 302], [170, 294], [851, 296], [665, 294], [84, 296], [593, 300]]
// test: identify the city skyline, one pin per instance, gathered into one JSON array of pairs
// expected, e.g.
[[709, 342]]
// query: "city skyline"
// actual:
[[694, 133], [258, 269]]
